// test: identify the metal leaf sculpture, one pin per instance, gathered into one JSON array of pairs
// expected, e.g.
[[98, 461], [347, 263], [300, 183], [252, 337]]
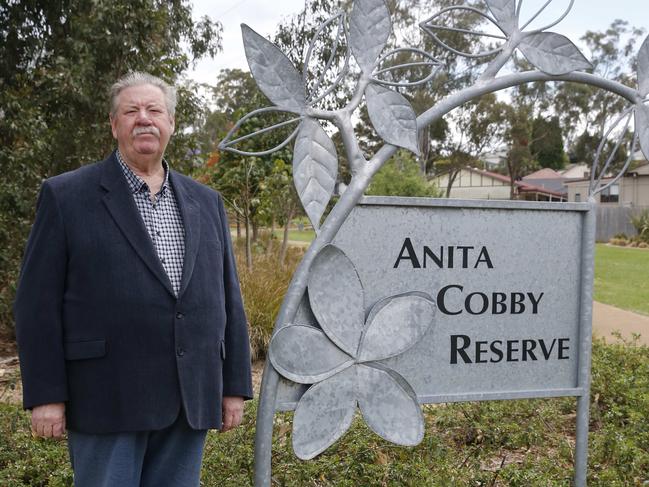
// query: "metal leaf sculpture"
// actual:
[[274, 73], [504, 11], [315, 89], [230, 143], [600, 171], [369, 30], [391, 69], [442, 22], [342, 359], [392, 117], [642, 127], [552, 53], [643, 68], [315, 166]]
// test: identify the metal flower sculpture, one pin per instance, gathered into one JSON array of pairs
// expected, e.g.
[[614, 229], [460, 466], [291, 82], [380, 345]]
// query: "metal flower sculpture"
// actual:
[[343, 359]]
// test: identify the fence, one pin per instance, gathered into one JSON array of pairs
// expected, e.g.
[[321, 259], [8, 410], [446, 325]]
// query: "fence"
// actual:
[[612, 220]]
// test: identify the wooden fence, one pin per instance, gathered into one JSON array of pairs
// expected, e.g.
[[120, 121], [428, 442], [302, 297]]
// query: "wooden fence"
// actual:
[[612, 220]]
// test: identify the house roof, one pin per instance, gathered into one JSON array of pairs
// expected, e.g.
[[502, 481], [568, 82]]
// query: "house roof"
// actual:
[[545, 173], [522, 186]]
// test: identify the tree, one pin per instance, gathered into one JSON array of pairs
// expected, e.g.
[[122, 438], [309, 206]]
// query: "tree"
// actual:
[[547, 143], [401, 177], [519, 161], [476, 125], [57, 62], [243, 179]]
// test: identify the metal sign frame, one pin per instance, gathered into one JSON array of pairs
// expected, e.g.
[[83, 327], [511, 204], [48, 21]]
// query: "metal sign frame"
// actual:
[[364, 34]]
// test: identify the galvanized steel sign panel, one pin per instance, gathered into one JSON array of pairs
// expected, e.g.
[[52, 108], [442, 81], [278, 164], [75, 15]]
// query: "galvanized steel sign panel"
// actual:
[[506, 281]]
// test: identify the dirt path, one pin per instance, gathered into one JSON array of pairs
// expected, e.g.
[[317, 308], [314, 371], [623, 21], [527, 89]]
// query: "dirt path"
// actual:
[[608, 319]]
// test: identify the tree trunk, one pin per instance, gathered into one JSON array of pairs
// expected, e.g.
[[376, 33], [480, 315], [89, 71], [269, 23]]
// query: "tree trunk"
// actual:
[[282, 252], [238, 218], [451, 179], [255, 229], [271, 239], [248, 242]]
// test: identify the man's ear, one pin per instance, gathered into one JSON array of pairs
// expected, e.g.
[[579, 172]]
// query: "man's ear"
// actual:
[[173, 124], [113, 126]]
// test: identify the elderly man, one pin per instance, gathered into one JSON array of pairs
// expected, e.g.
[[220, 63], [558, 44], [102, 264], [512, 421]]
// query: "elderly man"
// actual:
[[129, 318]]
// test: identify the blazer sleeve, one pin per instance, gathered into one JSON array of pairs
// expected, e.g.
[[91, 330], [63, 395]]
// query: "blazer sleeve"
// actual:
[[38, 306], [237, 377]]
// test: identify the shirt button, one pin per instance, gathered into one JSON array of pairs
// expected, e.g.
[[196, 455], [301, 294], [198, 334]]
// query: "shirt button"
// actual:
[[179, 315], [180, 352]]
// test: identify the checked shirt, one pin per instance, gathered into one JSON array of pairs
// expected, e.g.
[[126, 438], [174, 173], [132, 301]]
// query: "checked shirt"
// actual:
[[162, 219]]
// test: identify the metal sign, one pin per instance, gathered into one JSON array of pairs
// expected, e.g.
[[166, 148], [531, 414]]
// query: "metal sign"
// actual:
[[401, 302]]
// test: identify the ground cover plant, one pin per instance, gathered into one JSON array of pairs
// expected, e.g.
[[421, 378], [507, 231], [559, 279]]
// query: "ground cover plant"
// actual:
[[508, 443], [621, 277]]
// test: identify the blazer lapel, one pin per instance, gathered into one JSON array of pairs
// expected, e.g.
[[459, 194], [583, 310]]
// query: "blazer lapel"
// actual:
[[120, 204], [190, 211]]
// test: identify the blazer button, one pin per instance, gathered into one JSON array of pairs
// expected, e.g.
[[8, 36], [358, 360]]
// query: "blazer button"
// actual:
[[179, 315], [180, 352]]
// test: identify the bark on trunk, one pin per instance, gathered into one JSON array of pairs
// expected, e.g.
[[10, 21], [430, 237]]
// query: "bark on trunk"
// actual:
[[282, 252]]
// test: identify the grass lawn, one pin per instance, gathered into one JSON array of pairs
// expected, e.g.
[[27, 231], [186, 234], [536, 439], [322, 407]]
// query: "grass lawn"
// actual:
[[622, 277]]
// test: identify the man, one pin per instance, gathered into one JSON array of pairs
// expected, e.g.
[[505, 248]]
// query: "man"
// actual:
[[129, 318]]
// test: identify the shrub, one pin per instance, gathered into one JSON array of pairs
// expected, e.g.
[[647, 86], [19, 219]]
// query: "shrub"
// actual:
[[263, 290], [622, 242], [641, 224], [499, 443]]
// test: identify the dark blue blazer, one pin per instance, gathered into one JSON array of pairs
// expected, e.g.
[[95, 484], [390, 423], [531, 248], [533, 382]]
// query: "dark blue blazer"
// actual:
[[97, 323]]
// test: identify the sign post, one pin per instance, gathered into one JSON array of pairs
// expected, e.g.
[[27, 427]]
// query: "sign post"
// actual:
[[399, 302]]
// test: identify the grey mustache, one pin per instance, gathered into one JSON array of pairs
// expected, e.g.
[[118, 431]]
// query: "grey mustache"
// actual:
[[146, 130]]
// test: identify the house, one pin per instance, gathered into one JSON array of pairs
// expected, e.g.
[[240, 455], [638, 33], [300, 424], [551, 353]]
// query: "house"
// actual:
[[631, 190], [547, 178], [472, 183]]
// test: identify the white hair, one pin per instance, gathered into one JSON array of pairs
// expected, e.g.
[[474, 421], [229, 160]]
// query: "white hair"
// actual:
[[138, 78]]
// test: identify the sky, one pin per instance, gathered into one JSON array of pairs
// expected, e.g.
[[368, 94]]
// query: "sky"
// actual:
[[263, 16]]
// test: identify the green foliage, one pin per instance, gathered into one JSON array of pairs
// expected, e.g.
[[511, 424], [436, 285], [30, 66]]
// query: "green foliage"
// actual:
[[58, 60], [641, 225], [621, 277], [501, 443], [547, 143], [401, 177]]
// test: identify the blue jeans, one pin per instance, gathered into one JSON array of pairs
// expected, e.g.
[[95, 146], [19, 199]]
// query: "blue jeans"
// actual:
[[168, 457]]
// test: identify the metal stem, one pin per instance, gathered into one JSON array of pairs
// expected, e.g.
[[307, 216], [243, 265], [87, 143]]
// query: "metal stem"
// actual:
[[585, 341]]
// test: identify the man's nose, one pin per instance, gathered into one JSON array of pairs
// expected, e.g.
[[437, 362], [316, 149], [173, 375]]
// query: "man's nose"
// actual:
[[143, 117]]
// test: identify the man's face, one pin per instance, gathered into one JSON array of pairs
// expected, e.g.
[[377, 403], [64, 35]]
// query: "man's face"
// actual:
[[142, 125]]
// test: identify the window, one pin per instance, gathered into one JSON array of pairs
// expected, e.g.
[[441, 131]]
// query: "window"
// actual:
[[577, 197], [611, 194]]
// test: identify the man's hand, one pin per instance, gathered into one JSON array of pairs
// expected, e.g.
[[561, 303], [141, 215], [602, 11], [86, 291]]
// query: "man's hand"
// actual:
[[48, 420], [232, 412]]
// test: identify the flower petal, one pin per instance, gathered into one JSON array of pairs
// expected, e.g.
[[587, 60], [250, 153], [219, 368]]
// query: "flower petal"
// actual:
[[395, 324], [305, 355], [324, 414], [389, 405], [336, 298]]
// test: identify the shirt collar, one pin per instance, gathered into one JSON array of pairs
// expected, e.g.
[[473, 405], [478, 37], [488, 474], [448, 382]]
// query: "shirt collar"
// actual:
[[135, 183]]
